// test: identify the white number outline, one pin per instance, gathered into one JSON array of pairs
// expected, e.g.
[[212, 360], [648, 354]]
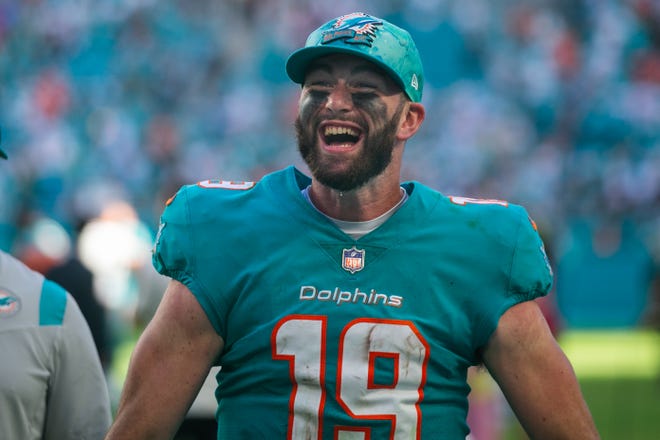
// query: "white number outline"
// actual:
[[225, 184], [462, 201]]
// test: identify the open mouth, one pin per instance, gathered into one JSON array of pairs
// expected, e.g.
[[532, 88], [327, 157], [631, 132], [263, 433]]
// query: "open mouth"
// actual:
[[336, 135]]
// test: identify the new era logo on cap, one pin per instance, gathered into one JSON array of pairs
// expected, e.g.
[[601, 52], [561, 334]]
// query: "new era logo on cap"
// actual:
[[414, 83]]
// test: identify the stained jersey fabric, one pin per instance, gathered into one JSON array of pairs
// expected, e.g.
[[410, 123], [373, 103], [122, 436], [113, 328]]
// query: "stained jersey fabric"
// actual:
[[52, 385], [324, 333]]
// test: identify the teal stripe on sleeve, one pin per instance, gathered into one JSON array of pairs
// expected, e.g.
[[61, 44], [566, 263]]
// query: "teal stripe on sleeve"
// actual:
[[52, 304]]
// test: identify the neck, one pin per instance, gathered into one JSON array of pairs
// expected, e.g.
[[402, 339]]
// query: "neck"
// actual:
[[362, 204]]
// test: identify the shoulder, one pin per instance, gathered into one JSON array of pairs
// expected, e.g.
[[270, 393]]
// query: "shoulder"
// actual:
[[494, 209], [494, 215], [189, 225], [459, 203], [219, 191], [504, 222], [13, 273], [27, 296], [220, 200], [469, 217], [209, 191], [20, 289], [494, 224], [478, 214], [512, 238]]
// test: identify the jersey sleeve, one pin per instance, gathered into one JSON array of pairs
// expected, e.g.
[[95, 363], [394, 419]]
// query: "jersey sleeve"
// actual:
[[177, 250], [172, 249], [78, 402], [531, 273], [520, 263]]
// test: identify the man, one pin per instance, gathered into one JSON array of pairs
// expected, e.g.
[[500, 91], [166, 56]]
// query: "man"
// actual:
[[348, 305], [52, 385]]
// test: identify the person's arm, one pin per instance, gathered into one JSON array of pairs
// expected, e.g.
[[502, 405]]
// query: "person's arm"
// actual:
[[536, 377], [168, 366]]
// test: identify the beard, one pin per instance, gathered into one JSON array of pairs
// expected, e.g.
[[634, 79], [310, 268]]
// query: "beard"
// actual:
[[373, 159]]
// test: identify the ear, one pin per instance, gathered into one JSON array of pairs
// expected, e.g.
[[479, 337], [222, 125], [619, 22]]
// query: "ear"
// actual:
[[411, 121]]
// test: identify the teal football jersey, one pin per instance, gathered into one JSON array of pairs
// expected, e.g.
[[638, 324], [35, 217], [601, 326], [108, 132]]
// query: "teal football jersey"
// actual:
[[329, 337]]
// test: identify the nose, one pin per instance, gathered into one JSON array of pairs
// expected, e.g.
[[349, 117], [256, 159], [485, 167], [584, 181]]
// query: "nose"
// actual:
[[339, 99]]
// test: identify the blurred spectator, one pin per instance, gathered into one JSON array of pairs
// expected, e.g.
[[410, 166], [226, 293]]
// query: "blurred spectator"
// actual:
[[116, 246], [605, 276], [77, 279]]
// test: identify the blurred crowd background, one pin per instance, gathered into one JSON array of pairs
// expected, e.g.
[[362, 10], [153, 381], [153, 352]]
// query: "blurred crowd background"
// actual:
[[107, 107]]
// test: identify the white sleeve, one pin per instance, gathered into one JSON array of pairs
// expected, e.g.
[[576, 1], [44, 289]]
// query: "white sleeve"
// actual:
[[78, 399]]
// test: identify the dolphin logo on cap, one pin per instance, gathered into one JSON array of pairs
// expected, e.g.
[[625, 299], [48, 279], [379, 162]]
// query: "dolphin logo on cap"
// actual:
[[356, 28]]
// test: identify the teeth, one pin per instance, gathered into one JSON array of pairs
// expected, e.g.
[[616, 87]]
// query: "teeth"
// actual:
[[331, 131]]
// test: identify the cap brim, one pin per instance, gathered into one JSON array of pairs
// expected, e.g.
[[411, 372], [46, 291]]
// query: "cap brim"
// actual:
[[299, 61]]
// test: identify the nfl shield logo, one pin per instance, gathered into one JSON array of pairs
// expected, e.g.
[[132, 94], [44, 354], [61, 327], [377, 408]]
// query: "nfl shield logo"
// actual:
[[353, 259]]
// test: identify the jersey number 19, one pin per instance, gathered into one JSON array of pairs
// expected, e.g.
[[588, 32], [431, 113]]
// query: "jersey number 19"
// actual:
[[364, 344]]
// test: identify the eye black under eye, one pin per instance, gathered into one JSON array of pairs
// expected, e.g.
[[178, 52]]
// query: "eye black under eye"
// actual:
[[317, 93]]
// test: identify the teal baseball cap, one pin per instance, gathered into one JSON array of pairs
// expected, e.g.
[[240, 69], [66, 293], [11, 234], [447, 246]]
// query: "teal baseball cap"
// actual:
[[369, 37]]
